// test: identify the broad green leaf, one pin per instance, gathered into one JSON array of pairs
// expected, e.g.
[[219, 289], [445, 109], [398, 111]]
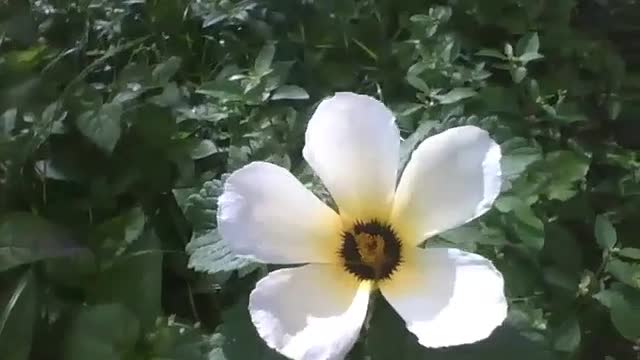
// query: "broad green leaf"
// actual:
[[102, 126], [102, 332], [626, 272], [26, 238], [605, 233], [567, 336], [18, 317], [115, 235], [624, 304], [629, 252], [264, 59], [140, 293], [528, 227], [388, 338], [207, 250], [290, 92]]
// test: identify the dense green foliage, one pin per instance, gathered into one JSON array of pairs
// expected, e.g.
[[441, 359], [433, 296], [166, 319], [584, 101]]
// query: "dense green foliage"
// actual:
[[119, 120]]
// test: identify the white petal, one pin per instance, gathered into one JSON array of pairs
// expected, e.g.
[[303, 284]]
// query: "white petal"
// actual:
[[353, 144], [265, 213], [447, 297], [451, 178], [313, 312]]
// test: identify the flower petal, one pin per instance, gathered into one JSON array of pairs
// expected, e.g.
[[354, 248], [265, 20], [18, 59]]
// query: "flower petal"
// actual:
[[353, 144], [313, 312], [447, 297], [451, 178], [265, 213]]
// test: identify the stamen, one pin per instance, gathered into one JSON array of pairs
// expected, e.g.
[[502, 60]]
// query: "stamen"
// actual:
[[371, 250]]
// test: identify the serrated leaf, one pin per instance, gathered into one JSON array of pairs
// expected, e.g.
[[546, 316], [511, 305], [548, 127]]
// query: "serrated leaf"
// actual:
[[290, 92], [207, 251], [605, 233], [102, 126], [25, 238]]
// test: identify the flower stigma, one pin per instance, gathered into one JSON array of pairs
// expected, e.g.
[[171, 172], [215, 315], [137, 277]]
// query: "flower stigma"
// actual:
[[371, 250]]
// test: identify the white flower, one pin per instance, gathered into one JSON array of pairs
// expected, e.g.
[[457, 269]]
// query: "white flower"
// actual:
[[315, 311]]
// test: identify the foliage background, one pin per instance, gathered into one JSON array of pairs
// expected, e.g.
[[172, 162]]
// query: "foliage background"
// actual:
[[119, 120]]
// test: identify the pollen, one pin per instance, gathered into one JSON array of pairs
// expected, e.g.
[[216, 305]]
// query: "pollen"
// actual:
[[371, 250]]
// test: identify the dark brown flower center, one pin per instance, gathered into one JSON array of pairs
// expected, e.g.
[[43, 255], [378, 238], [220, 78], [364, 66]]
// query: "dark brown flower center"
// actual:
[[371, 250]]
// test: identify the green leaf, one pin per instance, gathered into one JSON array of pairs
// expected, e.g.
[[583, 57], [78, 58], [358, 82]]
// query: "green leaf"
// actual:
[[626, 272], [241, 340], [629, 252], [141, 293], [207, 250], [564, 169], [264, 59], [566, 336], [605, 233], [388, 338], [201, 148], [102, 332], [491, 53], [624, 303], [102, 126], [528, 44], [518, 74], [18, 317], [26, 238], [164, 71], [455, 95], [528, 227], [290, 92]]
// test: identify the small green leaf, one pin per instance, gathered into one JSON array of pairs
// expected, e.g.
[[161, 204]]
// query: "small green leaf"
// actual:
[[164, 71], [605, 233], [102, 332], [102, 126], [25, 238], [201, 148], [289, 92], [264, 59], [491, 53], [518, 74], [455, 95], [528, 44]]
